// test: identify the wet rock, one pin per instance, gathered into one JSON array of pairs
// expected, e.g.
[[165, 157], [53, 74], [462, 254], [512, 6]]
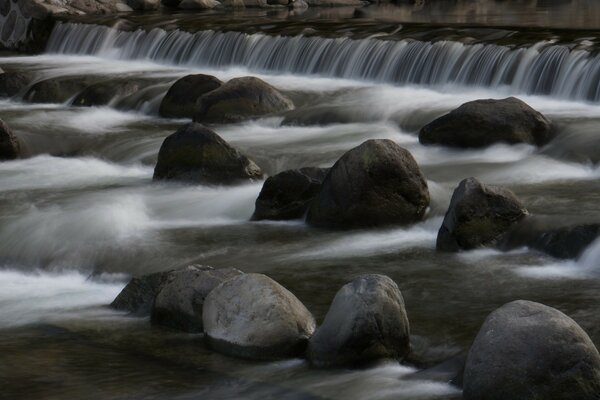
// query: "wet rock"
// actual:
[[56, 90], [144, 5], [252, 316], [375, 184], [478, 214], [566, 242], [179, 303], [199, 5], [101, 93], [526, 350], [288, 194], [139, 294], [9, 145], [180, 100], [240, 99], [450, 371], [481, 123], [366, 321], [171, 3], [12, 83], [196, 154]]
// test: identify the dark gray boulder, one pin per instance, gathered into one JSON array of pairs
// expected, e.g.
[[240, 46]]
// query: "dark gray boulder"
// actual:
[[139, 294], [180, 100], [288, 194], [375, 184], [366, 321], [171, 3], [196, 154], [144, 5], [102, 93], [179, 303], [57, 90], [252, 316], [478, 214], [12, 83], [240, 99], [566, 241], [529, 351], [481, 123], [10, 148]]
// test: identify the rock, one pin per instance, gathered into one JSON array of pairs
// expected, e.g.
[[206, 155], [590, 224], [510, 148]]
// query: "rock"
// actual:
[[252, 316], [101, 93], [288, 194], [179, 303], [12, 83], [528, 351], [56, 90], [10, 148], [375, 184], [196, 154], [139, 294], [366, 321], [199, 5], [482, 123], [240, 99], [171, 3], [566, 242], [180, 100], [449, 371], [144, 5], [478, 214]]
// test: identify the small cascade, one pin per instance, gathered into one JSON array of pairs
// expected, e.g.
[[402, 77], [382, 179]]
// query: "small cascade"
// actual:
[[542, 68]]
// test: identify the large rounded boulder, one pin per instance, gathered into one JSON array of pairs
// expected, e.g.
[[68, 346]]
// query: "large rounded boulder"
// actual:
[[252, 316], [529, 351], [179, 303], [367, 321], [240, 99], [288, 194], [481, 123], [478, 214], [10, 148], [196, 154], [180, 100], [377, 183]]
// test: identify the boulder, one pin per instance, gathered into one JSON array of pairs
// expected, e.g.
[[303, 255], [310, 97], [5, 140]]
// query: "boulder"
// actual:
[[144, 5], [199, 5], [171, 3], [102, 93], [139, 294], [478, 214], [12, 83], [56, 90], [240, 99], [196, 154], [288, 194], [567, 241], [367, 321], [481, 123], [179, 303], [529, 351], [252, 316], [180, 100], [10, 148], [375, 184]]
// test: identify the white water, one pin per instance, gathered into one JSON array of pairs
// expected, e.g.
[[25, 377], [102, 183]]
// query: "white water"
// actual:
[[542, 68]]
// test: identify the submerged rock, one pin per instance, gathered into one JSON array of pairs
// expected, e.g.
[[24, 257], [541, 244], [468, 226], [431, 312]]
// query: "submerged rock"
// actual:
[[558, 241], [180, 100], [10, 148], [526, 350], [240, 99], [375, 184], [252, 316], [56, 90], [102, 93], [365, 322], [12, 83], [179, 303], [288, 194], [481, 123], [196, 154], [478, 214]]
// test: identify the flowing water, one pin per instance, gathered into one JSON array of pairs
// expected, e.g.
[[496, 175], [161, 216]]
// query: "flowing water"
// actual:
[[81, 214]]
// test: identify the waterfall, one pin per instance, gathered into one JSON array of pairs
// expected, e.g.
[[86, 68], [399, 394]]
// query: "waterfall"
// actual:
[[542, 68]]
